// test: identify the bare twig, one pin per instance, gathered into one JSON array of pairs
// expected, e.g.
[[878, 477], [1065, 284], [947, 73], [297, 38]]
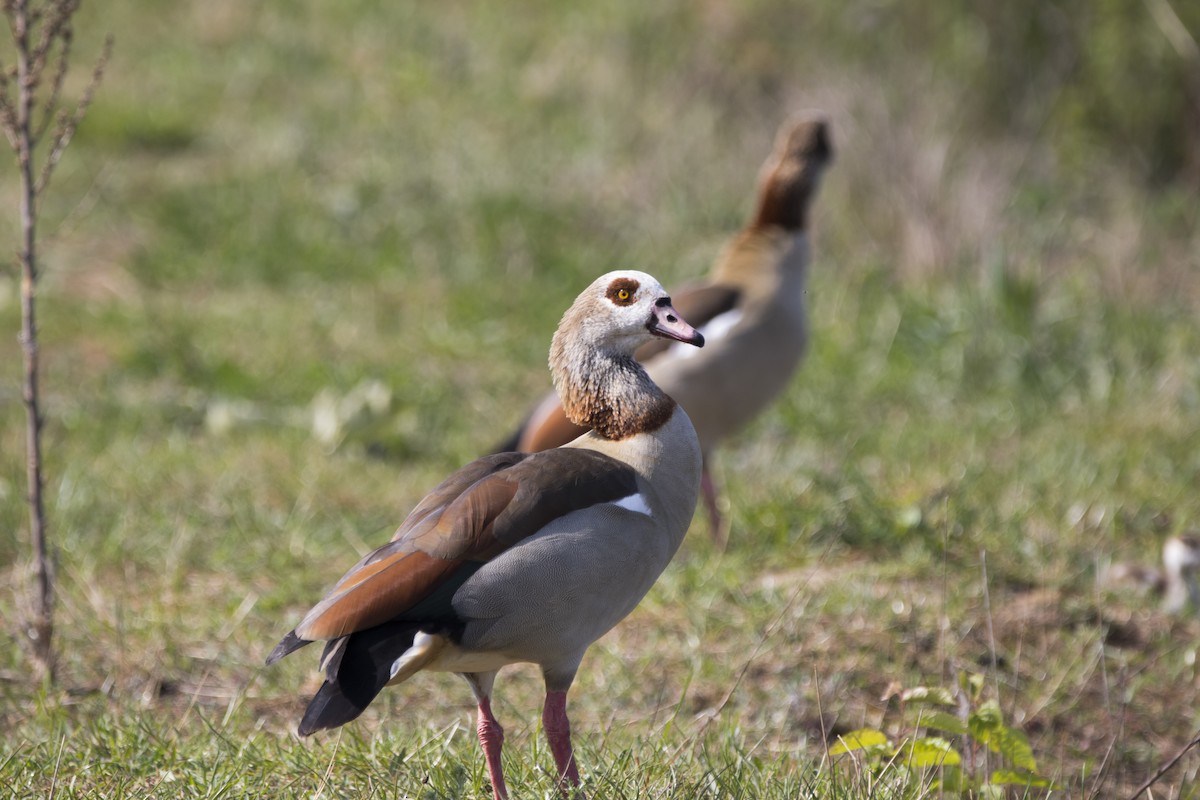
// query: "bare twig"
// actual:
[[8, 112], [1101, 774], [1153, 779], [68, 125], [60, 74], [39, 630], [987, 607], [38, 30]]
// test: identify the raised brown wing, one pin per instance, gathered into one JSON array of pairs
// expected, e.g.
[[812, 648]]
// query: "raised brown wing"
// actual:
[[475, 514], [430, 509]]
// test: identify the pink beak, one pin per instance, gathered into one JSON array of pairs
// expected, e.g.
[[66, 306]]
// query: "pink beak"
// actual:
[[666, 322]]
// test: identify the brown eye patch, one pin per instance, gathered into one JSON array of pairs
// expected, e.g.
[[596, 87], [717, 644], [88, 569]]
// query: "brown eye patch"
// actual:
[[621, 291]]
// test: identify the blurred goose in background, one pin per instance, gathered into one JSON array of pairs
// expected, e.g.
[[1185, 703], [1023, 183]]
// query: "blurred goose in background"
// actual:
[[526, 558], [1176, 580], [751, 310]]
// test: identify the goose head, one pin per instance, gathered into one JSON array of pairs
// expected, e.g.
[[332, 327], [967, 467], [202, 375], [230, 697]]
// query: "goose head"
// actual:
[[600, 383], [618, 313]]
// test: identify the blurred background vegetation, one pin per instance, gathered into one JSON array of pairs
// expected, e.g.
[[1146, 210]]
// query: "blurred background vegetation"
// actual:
[[277, 214]]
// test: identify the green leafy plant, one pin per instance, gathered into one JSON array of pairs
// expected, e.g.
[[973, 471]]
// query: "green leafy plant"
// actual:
[[991, 755]]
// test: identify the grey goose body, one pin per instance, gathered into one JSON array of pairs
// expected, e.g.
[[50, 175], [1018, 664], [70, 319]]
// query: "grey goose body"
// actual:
[[522, 557]]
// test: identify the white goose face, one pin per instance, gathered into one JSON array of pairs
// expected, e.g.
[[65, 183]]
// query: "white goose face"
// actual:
[[637, 305]]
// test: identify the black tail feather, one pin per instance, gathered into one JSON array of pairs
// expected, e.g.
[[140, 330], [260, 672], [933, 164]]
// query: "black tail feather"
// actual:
[[331, 659], [363, 669], [287, 644]]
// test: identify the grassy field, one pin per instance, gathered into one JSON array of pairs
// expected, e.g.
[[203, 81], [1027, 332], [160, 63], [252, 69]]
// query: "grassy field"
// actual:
[[272, 208]]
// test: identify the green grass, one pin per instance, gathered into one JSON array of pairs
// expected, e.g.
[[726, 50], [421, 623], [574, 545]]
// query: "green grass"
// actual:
[[268, 204]]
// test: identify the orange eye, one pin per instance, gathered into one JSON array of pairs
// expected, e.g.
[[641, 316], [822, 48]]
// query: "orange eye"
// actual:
[[622, 291]]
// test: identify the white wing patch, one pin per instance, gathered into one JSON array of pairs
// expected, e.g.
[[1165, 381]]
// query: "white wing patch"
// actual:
[[635, 503], [717, 328]]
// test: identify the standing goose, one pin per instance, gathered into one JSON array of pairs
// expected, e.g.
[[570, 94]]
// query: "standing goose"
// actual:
[[751, 311], [526, 558], [1177, 580]]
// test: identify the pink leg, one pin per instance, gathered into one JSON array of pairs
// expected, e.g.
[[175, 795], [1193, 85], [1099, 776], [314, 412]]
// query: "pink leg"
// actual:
[[709, 492], [558, 734], [491, 737]]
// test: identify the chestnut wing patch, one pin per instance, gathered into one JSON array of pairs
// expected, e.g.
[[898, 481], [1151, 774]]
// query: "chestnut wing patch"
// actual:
[[475, 514]]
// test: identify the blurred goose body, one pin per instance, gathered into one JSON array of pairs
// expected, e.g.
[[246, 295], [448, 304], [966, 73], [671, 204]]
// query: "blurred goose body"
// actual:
[[752, 311], [1175, 580]]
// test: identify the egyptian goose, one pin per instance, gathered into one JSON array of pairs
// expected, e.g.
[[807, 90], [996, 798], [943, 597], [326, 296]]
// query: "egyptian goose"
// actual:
[[751, 310], [526, 558], [1176, 580]]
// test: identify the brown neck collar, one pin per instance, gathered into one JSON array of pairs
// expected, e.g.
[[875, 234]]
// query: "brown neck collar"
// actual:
[[614, 397]]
